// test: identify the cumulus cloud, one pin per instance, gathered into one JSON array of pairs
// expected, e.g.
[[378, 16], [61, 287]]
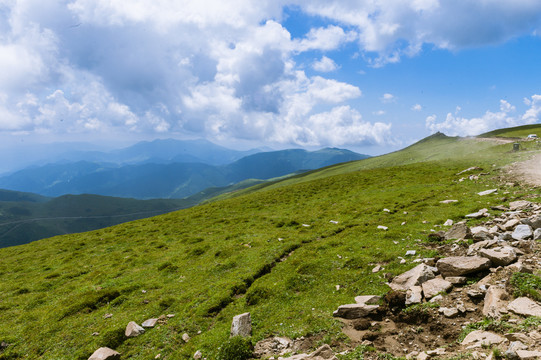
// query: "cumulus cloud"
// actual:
[[325, 64], [417, 107], [387, 98], [456, 125], [328, 38]]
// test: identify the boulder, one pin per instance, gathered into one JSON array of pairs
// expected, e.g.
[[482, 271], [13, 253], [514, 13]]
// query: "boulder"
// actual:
[[511, 352], [133, 329], [495, 302], [457, 280], [522, 232], [528, 354], [479, 338], [354, 311], [458, 231], [367, 299], [434, 286], [104, 353], [537, 234], [501, 256], [323, 353], [413, 277], [525, 307], [510, 225], [534, 222], [241, 325], [414, 295], [462, 265]]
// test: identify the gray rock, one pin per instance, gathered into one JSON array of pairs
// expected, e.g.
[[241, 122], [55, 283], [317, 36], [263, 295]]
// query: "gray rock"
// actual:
[[449, 312], [150, 323], [457, 280], [241, 325], [525, 307], [448, 222], [476, 215], [323, 353], [534, 222], [462, 265], [435, 286], [523, 338], [197, 355], [354, 311], [104, 353], [436, 299], [522, 232], [528, 354], [499, 256], [495, 302], [458, 231], [272, 346], [185, 337], [414, 295], [487, 192], [519, 205], [133, 329], [412, 277], [479, 338], [367, 299], [511, 352], [537, 234], [510, 225]]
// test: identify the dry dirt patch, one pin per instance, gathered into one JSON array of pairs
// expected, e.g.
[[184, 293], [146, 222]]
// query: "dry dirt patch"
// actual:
[[528, 171]]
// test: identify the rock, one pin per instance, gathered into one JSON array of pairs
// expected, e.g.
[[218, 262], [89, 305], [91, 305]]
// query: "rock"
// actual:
[[457, 280], [411, 253], [476, 215], [384, 228], [449, 312], [448, 222], [527, 355], [436, 299], [476, 293], [422, 356], [525, 307], [477, 230], [107, 316], [354, 311], [522, 232], [435, 286], [518, 337], [150, 323], [487, 192], [450, 201], [462, 265], [272, 346], [323, 353], [495, 302], [241, 325], [367, 299], [104, 353], [438, 351], [479, 338], [511, 352], [510, 225], [519, 205], [413, 277], [534, 222], [519, 267], [537, 234], [458, 231], [376, 268], [414, 295], [197, 355], [499, 256], [133, 329], [185, 337]]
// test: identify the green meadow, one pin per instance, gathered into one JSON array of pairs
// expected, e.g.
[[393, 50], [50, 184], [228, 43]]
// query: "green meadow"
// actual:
[[277, 250]]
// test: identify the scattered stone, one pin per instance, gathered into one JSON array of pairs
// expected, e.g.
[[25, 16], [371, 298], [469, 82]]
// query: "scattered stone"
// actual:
[[435, 286], [170, 316], [525, 307], [367, 299], [414, 295], [411, 253], [511, 352], [519, 205], [354, 311], [479, 338], [448, 312], [458, 231], [107, 316], [133, 329], [537, 234], [476, 293], [448, 201], [376, 268], [457, 280], [436, 299], [522, 232], [499, 256], [323, 353], [241, 325], [462, 265], [448, 222], [487, 192], [436, 352], [476, 215], [528, 354], [272, 346], [104, 353], [386, 210], [413, 277], [384, 228], [510, 224], [495, 302], [150, 323], [197, 355], [333, 222], [422, 356], [185, 337]]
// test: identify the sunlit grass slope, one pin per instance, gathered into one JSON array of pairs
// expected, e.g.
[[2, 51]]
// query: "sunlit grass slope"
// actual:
[[515, 132], [273, 252]]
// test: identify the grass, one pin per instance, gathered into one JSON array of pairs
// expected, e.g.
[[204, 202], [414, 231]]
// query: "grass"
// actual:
[[527, 285], [515, 132], [248, 253]]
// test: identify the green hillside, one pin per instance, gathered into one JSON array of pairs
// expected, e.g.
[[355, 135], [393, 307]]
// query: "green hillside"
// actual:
[[515, 132], [271, 250]]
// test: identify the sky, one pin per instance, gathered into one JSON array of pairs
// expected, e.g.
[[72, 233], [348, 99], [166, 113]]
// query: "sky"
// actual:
[[368, 75]]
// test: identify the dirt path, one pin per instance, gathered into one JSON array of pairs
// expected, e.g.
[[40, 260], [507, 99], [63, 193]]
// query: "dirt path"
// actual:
[[528, 171]]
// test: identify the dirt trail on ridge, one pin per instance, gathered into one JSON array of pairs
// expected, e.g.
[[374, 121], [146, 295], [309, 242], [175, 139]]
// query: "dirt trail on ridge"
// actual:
[[528, 171]]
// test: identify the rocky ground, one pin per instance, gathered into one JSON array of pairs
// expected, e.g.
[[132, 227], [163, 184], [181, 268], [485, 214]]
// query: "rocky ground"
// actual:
[[464, 305]]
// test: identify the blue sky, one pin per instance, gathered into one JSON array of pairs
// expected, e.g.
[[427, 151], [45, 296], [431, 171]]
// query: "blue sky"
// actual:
[[369, 75]]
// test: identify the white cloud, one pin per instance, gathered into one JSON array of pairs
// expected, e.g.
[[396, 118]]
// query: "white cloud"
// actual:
[[325, 39], [387, 98], [417, 107], [456, 125], [325, 64], [379, 113]]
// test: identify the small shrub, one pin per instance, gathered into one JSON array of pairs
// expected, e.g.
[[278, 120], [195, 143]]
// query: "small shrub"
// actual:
[[236, 348]]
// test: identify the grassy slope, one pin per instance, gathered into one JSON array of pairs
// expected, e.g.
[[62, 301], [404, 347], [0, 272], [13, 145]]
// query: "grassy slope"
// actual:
[[209, 263], [515, 132]]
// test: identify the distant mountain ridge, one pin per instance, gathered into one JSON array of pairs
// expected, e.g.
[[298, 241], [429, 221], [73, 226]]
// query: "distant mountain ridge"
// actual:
[[154, 174]]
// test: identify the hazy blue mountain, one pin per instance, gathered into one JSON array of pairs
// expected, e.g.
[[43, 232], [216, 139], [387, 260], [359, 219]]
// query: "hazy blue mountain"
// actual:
[[165, 180]]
